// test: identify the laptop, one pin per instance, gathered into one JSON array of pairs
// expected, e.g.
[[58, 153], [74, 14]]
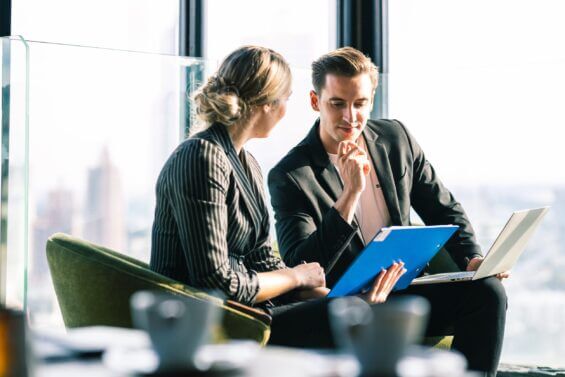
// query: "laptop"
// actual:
[[504, 252]]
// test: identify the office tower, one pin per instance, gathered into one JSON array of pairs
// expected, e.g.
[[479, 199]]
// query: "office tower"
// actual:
[[104, 220], [54, 215]]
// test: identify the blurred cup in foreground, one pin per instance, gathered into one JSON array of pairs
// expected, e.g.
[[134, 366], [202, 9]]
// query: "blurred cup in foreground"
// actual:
[[177, 326], [378, 335]]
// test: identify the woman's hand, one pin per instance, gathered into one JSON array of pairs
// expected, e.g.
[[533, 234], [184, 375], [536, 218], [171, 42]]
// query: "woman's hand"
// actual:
[[307, 294], [305, 276], [383, 284], [309, 275]]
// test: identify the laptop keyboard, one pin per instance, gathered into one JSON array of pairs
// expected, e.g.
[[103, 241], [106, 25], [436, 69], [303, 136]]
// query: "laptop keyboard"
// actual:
[[449, 275]]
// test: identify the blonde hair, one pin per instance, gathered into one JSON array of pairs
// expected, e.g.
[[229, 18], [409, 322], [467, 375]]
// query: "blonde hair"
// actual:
[[345, 61], [250, 76]]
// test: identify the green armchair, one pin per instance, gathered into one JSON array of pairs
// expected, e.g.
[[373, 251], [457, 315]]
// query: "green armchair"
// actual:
[[94, 284]]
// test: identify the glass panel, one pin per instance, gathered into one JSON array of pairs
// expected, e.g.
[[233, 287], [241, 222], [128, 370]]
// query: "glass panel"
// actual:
[[300, 30], [102, 123], [13, 222], [480, 85]]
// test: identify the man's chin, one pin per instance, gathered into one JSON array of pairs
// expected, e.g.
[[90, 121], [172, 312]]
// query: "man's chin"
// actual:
[[349, 137]]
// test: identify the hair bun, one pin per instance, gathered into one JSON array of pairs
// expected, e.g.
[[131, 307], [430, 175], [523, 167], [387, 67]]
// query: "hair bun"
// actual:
[[225, 86], [218, 101], [250, 76]]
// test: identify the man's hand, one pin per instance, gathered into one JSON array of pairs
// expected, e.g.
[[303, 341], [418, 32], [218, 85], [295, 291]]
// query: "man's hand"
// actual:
[[353, 167], [474, 264], [383, 284]]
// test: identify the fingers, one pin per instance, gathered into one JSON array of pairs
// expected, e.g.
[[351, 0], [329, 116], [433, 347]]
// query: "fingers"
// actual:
[[503, 275], [348, 148], [310, 275], [474, 264], [377, 283], [344, 147], [349, 151], [385, 282], [317, 271], [394, 274]]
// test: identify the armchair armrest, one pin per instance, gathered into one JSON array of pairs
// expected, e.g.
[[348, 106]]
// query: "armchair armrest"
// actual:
[[256, 313]]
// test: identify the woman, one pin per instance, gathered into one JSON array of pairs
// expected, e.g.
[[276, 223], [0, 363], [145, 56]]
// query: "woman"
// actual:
[[211, 227]]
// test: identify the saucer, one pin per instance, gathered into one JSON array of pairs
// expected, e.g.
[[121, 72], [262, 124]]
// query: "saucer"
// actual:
[[210, 359]]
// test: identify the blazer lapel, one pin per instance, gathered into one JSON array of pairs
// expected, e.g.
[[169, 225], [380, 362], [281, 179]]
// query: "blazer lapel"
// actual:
[[255, 179], [379, 155], [323, 167], [242, 180]]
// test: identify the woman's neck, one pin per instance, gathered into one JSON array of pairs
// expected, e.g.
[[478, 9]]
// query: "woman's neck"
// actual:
[[240, 133]]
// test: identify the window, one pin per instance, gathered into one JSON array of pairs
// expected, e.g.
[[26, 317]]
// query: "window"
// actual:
[[300, 30], [479, 83]]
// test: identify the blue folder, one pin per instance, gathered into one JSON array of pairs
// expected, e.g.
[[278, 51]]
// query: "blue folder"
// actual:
[[415, 246]]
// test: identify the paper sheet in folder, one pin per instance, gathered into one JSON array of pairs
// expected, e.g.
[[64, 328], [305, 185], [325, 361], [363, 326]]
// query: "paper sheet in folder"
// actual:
[[414, 245]]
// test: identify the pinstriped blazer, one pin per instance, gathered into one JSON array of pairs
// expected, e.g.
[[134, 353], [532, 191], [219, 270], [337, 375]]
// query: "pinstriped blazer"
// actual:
[[211, 226]]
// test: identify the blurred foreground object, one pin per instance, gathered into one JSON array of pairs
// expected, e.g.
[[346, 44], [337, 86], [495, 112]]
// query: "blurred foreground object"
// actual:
[[13, 344]]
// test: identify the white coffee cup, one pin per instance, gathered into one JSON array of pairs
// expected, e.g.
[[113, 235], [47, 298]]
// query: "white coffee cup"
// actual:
[[178, 327], [378, 335]]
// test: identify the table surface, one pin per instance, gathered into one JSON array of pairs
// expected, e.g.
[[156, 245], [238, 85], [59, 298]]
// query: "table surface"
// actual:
[[269, 361], [103, 351]]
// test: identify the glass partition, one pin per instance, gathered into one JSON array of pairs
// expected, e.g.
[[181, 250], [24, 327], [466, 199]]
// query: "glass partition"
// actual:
[[102, 123], [14, 171]]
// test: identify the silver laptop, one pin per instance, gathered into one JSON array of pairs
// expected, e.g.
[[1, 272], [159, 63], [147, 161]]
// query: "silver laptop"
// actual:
[[503, 253]]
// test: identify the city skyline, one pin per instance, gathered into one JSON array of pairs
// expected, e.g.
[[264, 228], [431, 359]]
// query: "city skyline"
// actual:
[[536, 301]]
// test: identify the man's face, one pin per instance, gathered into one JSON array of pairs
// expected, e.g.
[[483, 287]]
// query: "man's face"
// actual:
[[344, 105]]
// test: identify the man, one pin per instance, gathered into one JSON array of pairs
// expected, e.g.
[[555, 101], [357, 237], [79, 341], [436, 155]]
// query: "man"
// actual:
[[351, 176]]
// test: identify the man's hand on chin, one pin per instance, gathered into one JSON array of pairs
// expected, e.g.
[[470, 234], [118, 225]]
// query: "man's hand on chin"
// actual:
[[474, 264]]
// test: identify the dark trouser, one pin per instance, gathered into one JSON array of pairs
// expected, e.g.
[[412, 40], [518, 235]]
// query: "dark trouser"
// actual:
[[302, 324], [474, 312]]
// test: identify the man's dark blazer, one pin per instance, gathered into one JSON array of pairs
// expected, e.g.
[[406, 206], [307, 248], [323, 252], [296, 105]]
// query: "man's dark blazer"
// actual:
[[305, 185]]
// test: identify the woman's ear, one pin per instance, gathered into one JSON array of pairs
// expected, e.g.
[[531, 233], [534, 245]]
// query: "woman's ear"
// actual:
[[266, 108]]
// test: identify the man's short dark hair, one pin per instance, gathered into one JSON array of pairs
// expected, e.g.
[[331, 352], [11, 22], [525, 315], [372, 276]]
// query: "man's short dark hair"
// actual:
[[345, 61]]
